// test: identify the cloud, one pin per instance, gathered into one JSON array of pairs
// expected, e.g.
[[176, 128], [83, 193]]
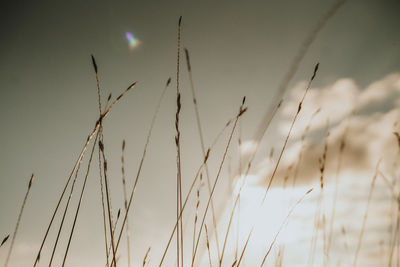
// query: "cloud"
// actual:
[[338, 100], [368, 133]]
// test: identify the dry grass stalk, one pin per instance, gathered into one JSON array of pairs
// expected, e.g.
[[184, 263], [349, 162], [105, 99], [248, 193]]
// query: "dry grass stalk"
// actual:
[[203, 147], [97, 82], [322, 179], [237, 231], [196, 212], [145, 257], [63, 217], [80, 199], [280, 155], [279, 260], [125, 202], [303, 147], [338, 168], [228, 230], [179, 233], [18, 222], [242, 110], [248, 167], [78, 161], [208, 245], [103, 206], [271, 178], [108, 198], [99, 157], [226, 237], [183, 207], [278, 161], [244, 248], [389, 184], [346, 246], [153, 120], [285, 221], [4, 240], [288, 172], [191, 188], [317, 216], [295, 63], [366, 214], [114, 227], [101, 148]]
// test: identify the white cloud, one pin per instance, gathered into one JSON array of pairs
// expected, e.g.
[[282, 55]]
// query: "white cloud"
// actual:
[[339, 100], [369, 137]]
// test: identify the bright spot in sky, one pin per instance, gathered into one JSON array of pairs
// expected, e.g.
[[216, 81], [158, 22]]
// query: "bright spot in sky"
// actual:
[[132, 41]]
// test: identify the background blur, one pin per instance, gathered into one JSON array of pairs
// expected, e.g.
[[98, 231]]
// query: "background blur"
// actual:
[[48, 106]]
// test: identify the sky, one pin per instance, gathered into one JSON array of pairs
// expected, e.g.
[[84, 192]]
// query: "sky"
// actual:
[[49, 106]]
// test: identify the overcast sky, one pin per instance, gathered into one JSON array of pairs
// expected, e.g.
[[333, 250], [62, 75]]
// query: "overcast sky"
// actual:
[[49, 103]]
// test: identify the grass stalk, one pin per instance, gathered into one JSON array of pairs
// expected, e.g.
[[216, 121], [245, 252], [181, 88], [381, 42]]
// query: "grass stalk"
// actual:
[[208, 245], [244, 247], [285, 221], [145, 257], [303, 138], [78, 161], [141, 162], [338, 168], [108, 199], [294, 65], [271, 178], [99, 159], [191, 188], [4, 240], [240, 113], [80, 199], [63, 217], [18, 222], [203, 148], [179, 236], [366, 214], [125, 202]]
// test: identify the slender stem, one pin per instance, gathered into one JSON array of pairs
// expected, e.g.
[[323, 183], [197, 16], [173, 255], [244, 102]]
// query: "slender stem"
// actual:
[[109, 211], [63, 218], [18, 222], [125, 202], [80, 199], [244, 248], [366, 214], [203, 148], [141, 164], [82, 153], [241, 111], [191, 188], [283, 225]]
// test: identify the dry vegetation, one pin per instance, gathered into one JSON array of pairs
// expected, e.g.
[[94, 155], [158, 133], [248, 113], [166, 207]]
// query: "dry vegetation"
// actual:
[[116, 226]]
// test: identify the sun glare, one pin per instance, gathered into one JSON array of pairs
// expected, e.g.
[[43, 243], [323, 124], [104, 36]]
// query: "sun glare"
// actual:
[[132, 41]]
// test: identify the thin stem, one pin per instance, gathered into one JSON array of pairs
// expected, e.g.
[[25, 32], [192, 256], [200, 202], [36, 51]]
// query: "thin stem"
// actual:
[[241, 111], [125, 202], [80, 200], [82, 153], [366, 214], [283, 225], [203, 148], [141, 164], [18, 221]]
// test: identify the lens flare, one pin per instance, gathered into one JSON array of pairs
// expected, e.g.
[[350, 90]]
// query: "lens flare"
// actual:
[[132, 41]]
